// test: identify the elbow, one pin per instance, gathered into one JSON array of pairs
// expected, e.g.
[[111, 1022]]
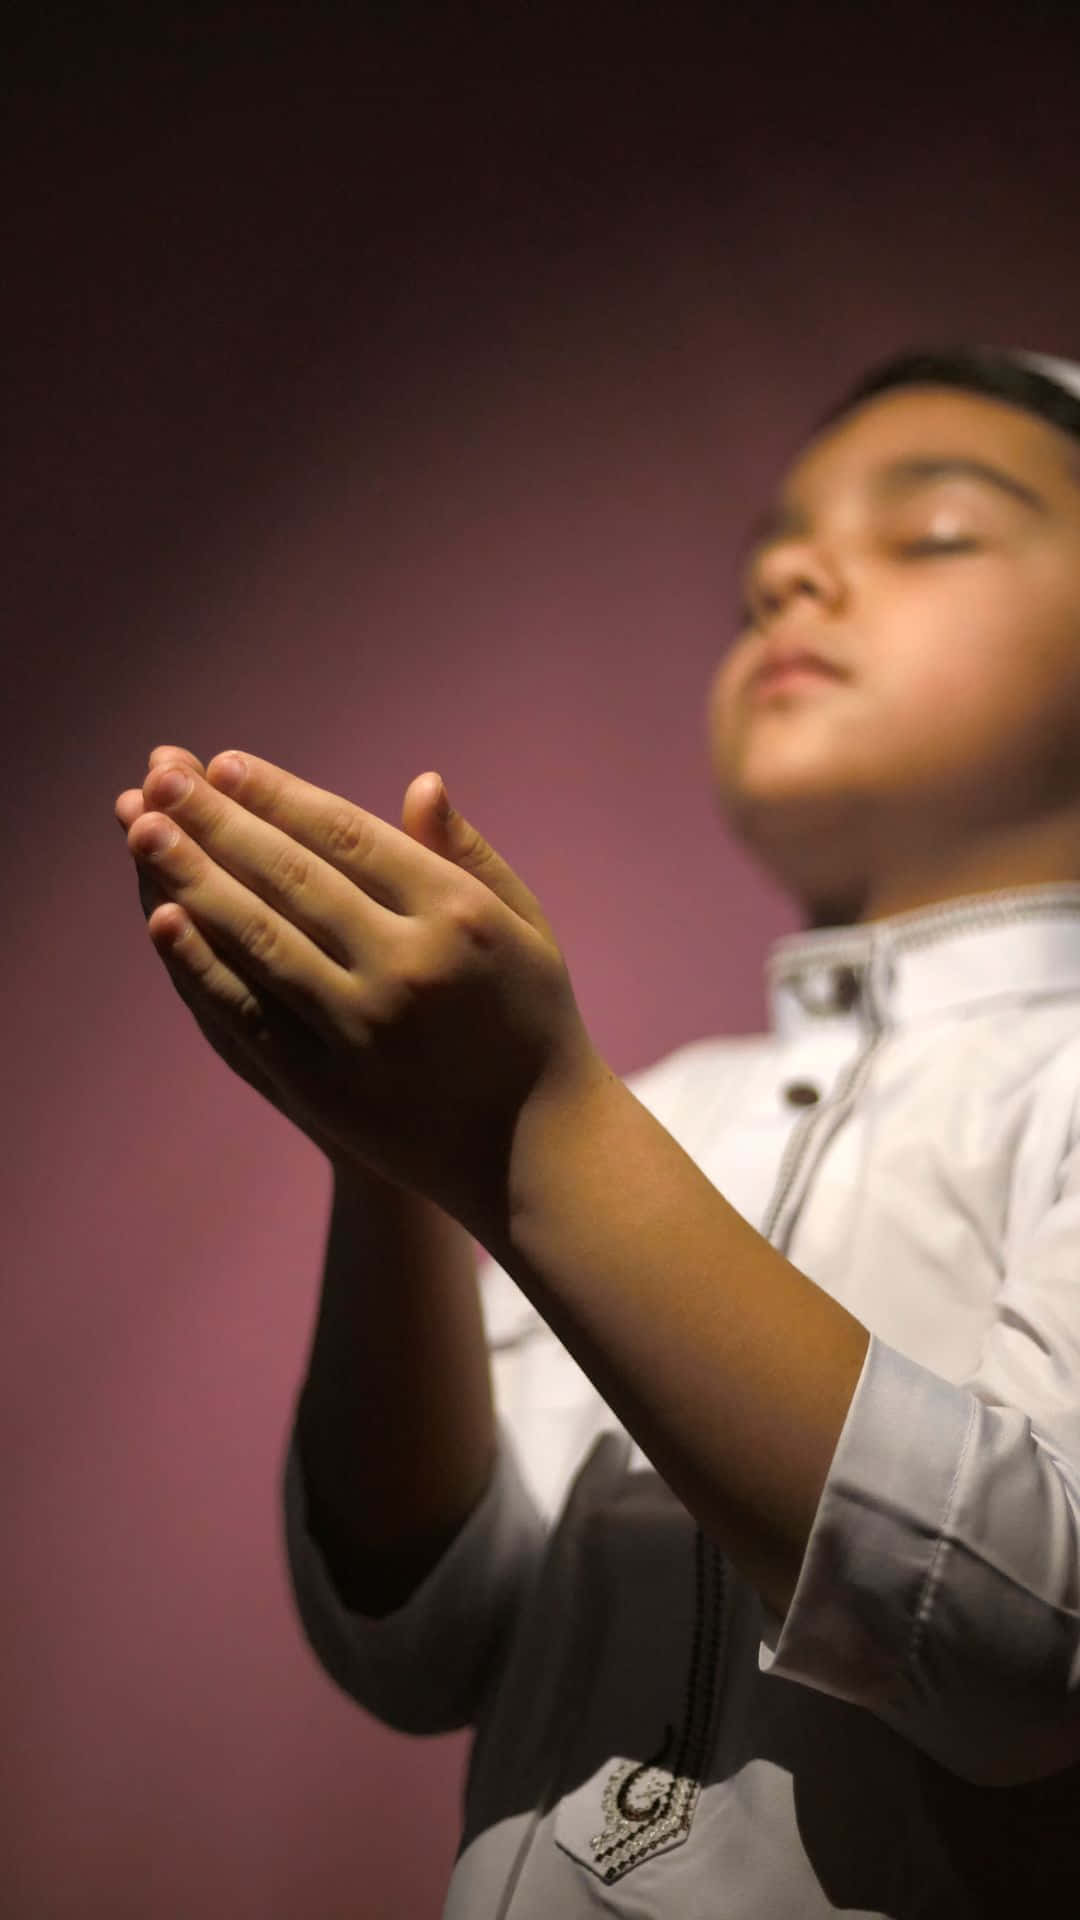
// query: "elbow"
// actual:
[[1009, 1754], [396, 1685], [1005, 1721]]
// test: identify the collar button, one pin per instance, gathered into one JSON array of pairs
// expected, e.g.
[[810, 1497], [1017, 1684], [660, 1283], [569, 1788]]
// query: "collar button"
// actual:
[[801, 1093], [828, 990], [845, 988]]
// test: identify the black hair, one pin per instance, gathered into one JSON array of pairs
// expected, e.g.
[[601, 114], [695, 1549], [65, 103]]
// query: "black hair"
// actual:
[[986, 370]]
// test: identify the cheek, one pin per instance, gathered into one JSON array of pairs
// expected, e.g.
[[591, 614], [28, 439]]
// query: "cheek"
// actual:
[[987, 682], [946, 684], [723, 690]]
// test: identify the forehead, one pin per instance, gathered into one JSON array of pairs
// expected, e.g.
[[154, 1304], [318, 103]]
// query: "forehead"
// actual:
[[925, 422], [898, 443]]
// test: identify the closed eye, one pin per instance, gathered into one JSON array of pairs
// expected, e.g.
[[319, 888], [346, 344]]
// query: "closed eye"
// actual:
[[962, 543], [926, 547]]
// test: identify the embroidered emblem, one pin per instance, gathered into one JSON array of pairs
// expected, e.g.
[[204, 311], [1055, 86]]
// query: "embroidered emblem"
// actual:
[[646, 1803]]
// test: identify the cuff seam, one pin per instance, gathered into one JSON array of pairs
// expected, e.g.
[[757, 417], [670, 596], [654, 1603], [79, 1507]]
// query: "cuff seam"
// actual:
[[935, 1572]]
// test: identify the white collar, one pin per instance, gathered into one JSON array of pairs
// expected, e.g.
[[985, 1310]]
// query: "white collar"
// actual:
[[1017, 941]]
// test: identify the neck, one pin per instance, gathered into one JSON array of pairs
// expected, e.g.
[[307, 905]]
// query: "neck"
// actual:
[[1014, 857]]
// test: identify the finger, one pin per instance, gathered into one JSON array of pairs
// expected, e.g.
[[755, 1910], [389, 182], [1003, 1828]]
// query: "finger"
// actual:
[[158, 755], [423, 812], [428, 816], [269, 949], [253, 1033], [231, 1015], [202, 978], [309, 892], [128, 806], [174, 934], [221, 1000], [151, 895], [383, 861]]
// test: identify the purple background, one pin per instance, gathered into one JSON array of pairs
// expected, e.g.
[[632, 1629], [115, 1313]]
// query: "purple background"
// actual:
[[382, 396]]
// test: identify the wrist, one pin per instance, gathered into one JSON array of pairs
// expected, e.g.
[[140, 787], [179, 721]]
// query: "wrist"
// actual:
[[565, 1120]]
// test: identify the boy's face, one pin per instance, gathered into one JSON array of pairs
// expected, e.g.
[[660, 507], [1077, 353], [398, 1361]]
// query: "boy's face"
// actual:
[[948, 608]]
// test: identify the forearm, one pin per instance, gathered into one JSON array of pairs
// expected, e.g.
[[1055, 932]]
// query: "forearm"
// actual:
[[395, 1423], [733, 1370]]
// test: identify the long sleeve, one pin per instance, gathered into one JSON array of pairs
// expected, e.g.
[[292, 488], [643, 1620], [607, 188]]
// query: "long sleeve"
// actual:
[[425, 1667], [429, 1666], [941, 1583]]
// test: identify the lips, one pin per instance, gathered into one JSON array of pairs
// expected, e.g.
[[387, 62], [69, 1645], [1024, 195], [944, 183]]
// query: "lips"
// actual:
[[791, 665]]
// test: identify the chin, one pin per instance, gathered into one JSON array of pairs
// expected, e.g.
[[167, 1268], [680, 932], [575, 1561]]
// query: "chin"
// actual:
[[812, 842], [843, 911], [793, 804]]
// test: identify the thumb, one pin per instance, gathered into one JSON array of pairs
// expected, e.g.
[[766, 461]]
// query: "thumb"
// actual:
[[427, 816]]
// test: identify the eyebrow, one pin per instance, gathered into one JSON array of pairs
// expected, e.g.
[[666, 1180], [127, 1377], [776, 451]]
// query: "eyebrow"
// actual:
[[896, 477]]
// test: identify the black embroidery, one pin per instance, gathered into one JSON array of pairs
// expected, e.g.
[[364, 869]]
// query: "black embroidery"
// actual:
[[648, 1804]]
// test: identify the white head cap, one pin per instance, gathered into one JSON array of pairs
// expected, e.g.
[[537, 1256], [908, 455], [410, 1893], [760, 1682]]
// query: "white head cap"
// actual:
[[1066, 373]]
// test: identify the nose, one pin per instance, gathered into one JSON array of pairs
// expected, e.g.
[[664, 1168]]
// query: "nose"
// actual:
[[787, 570]]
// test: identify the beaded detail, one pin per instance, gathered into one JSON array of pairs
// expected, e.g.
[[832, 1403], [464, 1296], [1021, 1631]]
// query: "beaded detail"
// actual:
[[647, 1804]]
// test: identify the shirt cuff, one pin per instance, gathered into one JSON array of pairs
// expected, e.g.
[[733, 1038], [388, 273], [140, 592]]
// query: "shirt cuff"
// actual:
[[876, 1549]]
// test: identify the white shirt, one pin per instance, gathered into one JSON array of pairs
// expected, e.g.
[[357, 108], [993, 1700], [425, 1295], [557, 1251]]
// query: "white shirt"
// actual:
[[649, 1741]]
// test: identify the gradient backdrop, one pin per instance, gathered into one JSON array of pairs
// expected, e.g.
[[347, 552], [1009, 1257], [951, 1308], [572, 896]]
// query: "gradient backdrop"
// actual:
[[384, 390]]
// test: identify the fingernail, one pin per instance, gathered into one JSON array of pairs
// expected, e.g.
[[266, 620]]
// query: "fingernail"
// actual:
[[156, 836], [171, 787], [229, 771]]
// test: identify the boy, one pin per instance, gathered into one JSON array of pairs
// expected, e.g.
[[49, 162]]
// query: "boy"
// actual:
[[758, 1579]]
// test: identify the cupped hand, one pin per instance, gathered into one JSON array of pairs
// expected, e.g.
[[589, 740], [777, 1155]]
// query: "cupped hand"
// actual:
[[398, 993], [225, 1007]]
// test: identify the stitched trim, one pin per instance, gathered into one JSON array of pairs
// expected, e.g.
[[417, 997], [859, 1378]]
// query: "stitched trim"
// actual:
[[793, 952], [646, 1804], [934, 1572]]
